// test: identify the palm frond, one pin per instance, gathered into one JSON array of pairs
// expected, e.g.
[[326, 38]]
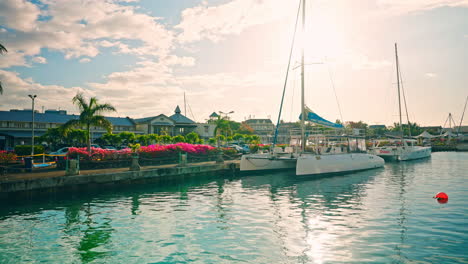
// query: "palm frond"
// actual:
[[79, 100], [104, 108], [71, 123], [101, 122], [3, 49]]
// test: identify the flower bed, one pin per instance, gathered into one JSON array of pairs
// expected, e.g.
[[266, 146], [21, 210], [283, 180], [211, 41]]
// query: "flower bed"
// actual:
[[148, 155]]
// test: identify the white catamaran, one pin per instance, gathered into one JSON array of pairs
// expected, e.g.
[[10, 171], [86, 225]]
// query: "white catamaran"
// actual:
[[326, 155], [401, 149]]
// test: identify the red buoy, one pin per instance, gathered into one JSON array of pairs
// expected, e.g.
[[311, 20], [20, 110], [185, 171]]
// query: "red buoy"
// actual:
[[441, 197]]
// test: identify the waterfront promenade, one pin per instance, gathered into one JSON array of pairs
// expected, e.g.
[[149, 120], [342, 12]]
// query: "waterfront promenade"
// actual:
[[55, 180]]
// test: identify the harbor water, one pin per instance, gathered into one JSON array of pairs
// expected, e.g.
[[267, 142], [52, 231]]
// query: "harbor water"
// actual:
[[385, 215]]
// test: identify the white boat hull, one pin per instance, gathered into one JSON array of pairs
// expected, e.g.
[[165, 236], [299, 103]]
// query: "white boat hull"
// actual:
[[403, 153], [415, 153], [265, 162], [322, 164]]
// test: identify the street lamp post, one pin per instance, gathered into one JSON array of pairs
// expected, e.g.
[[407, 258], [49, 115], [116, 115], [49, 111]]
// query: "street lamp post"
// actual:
[[33, 97], [226, 114]]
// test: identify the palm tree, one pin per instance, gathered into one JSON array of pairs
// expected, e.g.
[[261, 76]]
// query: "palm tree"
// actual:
[[90, 116], [2, 51]]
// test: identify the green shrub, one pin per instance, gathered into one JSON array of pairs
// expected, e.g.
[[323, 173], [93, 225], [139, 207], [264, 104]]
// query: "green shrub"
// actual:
[[22, 150]]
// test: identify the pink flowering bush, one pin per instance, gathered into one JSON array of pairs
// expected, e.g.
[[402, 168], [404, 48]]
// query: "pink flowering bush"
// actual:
[[6, 157], [172, 150], [99, 154], [151, 151]]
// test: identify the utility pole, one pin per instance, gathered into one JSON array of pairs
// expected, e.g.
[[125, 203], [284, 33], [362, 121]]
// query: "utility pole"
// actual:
[[33, 97]]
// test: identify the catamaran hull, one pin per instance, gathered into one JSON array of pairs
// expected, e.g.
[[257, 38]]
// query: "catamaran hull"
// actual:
[[415, 153], [259, 162], [310, 164], [403, 154]]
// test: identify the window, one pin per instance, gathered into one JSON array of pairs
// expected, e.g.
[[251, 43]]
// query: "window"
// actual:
[[206, 129]]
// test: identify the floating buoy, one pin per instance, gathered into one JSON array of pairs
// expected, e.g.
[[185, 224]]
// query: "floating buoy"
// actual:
[[441, 197]]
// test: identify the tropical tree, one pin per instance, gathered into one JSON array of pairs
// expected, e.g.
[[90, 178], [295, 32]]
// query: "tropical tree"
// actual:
[[222, 127], [143, 140], [165, 139], [238, 137], [112, 139], [53, 136], [212, 141], [127, 137], [192, 138], [3, 50], [75, 137], [154, 138], [90, 115], [178, 138]]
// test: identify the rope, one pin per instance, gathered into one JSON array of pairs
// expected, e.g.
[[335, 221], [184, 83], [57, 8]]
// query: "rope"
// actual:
[[336, 96], [287, 74]]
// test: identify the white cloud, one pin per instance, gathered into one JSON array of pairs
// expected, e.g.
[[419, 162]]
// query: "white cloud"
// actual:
[[77, 28], [18, 14], [40, 60], [430, 75], [85, 60], [407, 6], [215, 22], [16, 90]]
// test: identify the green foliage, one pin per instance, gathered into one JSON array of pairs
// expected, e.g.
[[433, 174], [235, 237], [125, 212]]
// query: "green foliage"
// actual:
[[75, 137], [143, 139], [212, 141], [166, 139], [192, 138], [127, 137], [229, 151], [178, 138], [112, 139], [154, 138], [54, 136], [90, 115], [22, 150], [135, 147], [358, 125], [238, 137]]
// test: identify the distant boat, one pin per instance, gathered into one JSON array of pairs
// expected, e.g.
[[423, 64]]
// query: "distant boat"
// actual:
[[327, 154], [400, 149]]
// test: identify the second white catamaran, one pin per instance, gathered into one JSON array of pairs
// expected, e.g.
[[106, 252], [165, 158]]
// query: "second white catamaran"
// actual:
[[400, 149]]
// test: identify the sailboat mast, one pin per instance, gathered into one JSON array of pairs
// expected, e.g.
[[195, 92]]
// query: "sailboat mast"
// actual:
[[461, 120], [398, 84], [185, 106], [303, 140]]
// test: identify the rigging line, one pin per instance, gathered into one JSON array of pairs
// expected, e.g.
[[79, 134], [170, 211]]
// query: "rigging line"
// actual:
[[292, 97], [287, 73], [404, 100], [334, 90], [190, 109]]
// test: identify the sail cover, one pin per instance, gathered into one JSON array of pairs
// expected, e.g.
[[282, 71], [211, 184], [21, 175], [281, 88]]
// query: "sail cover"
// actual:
[[314, 118]]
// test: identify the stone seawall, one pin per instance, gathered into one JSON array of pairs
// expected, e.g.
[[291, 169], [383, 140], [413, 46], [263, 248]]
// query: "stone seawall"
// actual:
[[13, 187]]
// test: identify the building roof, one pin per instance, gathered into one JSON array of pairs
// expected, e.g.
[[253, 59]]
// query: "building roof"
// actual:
[[54, 117], [377, 126], [259, 121], [21, 134], [179, 118], [214, 114]]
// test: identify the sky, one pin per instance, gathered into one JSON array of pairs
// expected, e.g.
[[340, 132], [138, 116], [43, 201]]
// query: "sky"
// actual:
[[141, 56]]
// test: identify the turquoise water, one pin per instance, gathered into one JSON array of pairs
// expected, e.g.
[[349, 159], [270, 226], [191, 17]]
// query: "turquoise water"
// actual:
[[379, 216]]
